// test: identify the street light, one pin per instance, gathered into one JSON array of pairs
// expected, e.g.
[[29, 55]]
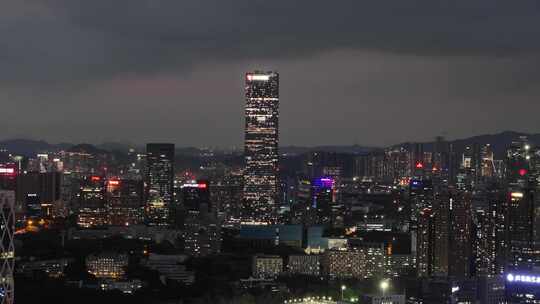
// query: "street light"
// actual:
[[343, 287], [384, 286]]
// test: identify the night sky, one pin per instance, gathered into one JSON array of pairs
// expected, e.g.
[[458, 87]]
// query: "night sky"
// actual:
[[369, 72]]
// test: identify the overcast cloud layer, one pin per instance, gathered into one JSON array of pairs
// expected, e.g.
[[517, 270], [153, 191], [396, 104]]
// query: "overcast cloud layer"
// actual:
[[367, 72]]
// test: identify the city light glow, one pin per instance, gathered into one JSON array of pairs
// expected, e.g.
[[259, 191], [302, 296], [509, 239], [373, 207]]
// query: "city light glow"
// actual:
[[516, 195], [257, 77], [514, 278], [7, 170]]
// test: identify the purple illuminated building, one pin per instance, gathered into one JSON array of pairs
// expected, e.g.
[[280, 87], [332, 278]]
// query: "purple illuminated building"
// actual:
[[322, 192], [324, 182]]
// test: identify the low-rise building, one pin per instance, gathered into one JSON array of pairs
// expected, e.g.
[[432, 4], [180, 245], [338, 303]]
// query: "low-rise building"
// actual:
[[52, 268], [170, 267], [384, 299], [399, 264], [360, 263], [127, 287], [267, 266], [304, 264], [107, 266]]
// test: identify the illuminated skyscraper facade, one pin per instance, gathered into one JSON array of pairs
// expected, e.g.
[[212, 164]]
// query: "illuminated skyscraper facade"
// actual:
[[7, 249], [124, 201], [201, 228], [488, 239], [452, 233], [159, 183], [322, 190], [92, 204], [261, 146], [521, 208]]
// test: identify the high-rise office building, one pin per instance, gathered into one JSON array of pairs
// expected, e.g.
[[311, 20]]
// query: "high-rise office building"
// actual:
[[416, 159], [159, 183], [225, 194], [322, 189], [443, 234], [423, 242], [397, 164], [420, 198], [7, 249], [8, 176], [261, 146], [91, 200], [459, 232], [38, 191], [124, 201], [521, 214], [488, 239], [201, 228]]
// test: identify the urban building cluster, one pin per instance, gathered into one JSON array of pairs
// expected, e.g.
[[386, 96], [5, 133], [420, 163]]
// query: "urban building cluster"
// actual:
[[440, 222]]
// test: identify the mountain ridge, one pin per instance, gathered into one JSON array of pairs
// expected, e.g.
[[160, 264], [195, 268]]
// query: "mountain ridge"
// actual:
[[499, 142]]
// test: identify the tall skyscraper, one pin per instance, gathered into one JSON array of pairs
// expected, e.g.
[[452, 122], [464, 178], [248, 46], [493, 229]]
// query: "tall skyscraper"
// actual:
[[521, 214], [7, 249], [460, 255], [416, 159], [38, 191], [201, 228], [322, 190], [423, 241], [91, 200], [488, 240], [159, 183], [261, 146], [421, 199], [8, 176], [124, 201]]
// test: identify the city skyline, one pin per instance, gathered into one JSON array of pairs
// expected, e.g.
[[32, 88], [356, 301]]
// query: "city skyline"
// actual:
[[270, 151], [148, 74]]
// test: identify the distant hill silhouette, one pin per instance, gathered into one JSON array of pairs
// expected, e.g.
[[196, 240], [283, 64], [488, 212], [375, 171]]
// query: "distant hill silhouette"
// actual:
[[86, 148], [354, 149], [26, 147], [499, 141], [29, 147]]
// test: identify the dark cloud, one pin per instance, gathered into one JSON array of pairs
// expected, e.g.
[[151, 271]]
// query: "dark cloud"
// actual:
[[371, 72], [73, 39]]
